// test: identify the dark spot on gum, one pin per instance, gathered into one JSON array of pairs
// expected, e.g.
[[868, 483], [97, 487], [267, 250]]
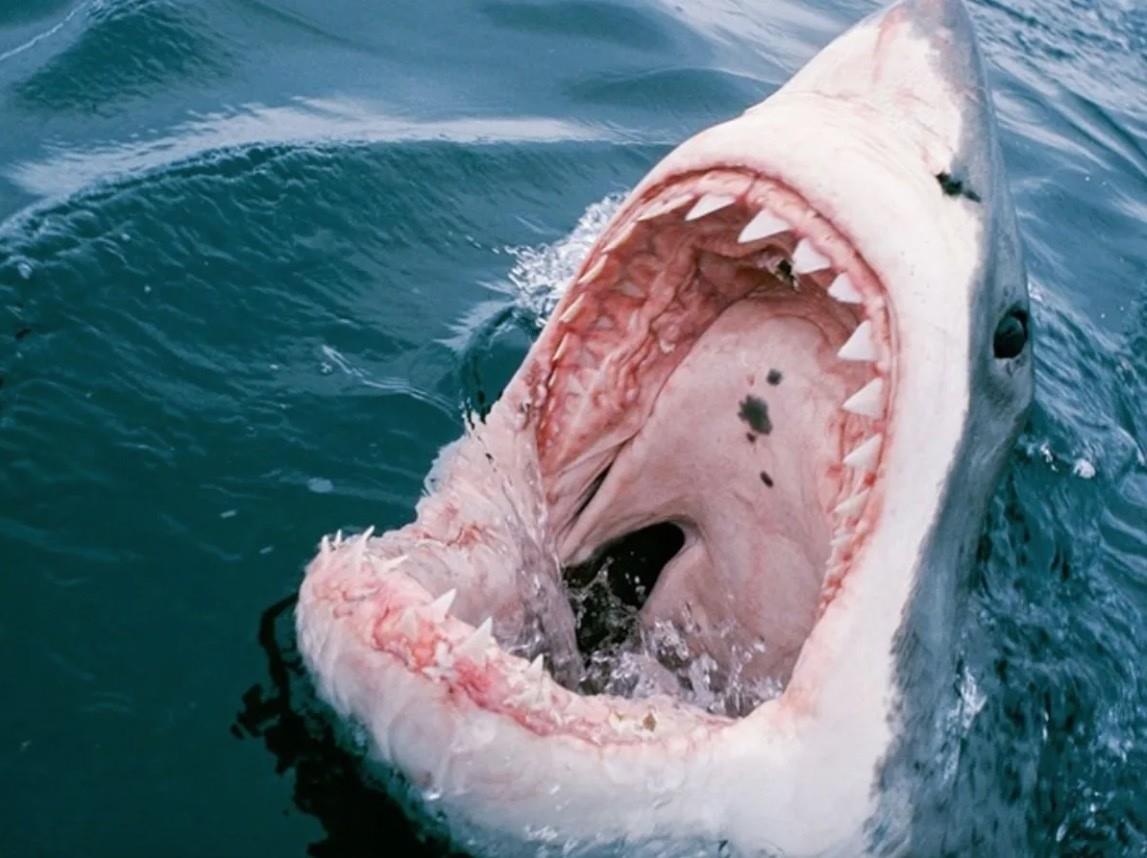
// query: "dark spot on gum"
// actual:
[[766, 479], [774, 377], [751, 438], [755, 412]]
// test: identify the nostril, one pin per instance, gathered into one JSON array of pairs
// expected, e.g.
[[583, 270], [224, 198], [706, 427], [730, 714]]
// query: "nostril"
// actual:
[[1011, 334]]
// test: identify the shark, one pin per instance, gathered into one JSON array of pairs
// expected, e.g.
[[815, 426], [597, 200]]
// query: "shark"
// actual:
[[765, 419]]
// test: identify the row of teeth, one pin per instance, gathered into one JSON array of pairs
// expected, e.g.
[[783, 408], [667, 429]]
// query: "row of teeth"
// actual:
[[429, 623], [868, 402], [474, 645]]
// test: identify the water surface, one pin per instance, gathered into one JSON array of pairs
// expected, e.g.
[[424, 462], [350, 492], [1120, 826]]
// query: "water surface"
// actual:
[[257, 258]]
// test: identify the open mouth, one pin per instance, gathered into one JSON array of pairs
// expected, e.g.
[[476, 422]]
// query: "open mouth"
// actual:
[[687, 469]]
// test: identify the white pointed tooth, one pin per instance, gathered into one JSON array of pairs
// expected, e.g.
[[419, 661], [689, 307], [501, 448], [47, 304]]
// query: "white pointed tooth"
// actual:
[[868, 401], [622, 236], [852, 505], [841, 540], [368, 533], [408, 623], [383, 567], [864, 456], [860, 346], [571, 310], [594, 270], [437, 610], [475, 646], [764, 225], [325, 545], [657, 210], [561, 349], [843, 290], [339, 538], [807, 258], [708, 204]]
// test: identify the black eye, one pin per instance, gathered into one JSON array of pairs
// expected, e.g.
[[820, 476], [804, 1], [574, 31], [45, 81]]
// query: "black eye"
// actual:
[[1011, 334]]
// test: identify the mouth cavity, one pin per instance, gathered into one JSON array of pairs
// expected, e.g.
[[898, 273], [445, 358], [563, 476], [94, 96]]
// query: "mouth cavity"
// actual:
[[707, 413]]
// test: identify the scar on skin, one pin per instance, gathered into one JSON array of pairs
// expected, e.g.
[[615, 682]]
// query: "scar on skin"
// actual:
[[766, 479], [774, 377], [755, 412]]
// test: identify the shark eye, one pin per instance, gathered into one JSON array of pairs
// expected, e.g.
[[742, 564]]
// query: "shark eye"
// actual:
[[1011, 334]]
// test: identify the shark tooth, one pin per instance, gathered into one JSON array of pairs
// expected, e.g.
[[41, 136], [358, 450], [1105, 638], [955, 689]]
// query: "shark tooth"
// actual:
[[843, 290], [561, 349], [864, 456], [664, 208], [593, 271], [764, 225], [571, 310], [852, 505], [384, 567], [437, 610], [868, 401], [708, 204], [622, 236], [859, 346], [807, 258], [475, 646]]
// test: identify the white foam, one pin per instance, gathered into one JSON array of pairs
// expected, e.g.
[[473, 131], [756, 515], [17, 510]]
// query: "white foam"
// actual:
[[542, 273]]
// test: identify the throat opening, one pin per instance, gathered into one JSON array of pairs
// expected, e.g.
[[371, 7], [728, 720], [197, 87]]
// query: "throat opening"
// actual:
[[608, 591]]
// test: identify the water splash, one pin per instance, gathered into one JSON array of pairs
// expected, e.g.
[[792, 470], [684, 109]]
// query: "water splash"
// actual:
[[541, 274]]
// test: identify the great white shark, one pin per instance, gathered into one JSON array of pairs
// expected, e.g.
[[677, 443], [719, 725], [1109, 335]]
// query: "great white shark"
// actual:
[[798, 355]]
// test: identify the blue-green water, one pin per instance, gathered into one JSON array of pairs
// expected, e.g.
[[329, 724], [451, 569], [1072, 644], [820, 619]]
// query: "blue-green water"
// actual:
[[257, 257]]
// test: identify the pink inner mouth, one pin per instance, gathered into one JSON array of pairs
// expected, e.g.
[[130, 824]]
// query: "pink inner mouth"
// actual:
[[715, 384]]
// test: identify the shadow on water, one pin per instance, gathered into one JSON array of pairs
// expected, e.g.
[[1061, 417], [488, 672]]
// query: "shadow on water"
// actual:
[[331, 784]]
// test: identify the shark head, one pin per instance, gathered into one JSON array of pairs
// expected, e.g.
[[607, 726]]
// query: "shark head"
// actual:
[[762, 424]]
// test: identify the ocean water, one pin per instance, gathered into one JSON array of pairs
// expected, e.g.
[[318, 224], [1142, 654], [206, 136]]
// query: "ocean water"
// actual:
[[259, 257]]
